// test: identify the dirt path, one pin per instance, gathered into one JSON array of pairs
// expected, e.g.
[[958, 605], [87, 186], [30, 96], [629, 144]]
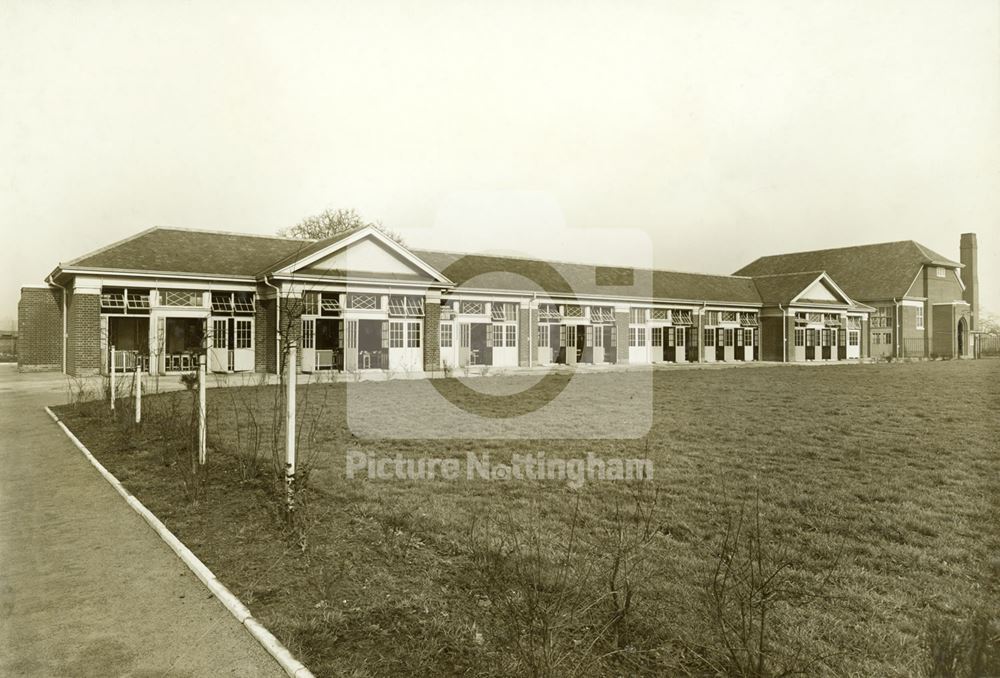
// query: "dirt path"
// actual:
[[86, 587]]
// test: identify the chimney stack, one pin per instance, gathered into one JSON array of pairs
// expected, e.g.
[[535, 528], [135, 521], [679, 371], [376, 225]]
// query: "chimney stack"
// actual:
[[970, 275]]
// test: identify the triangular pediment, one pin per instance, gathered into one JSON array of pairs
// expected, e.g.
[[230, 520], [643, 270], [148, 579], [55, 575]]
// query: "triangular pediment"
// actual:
[[823, 290], [367, 254]]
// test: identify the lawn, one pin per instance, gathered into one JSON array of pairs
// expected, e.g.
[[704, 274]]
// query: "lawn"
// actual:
[[853, 507]]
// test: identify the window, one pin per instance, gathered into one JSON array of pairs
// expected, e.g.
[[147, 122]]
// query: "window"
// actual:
[[739, 336], [329, 304], [681, 316], [748, 319], [543, 336], [310, 303], [810, 338], [940, 271], [853, 323], [548, 313], [573, 311], [308, 333], [709, 338], [511, 331], [500, 311], [446, 335], [658, 336], [920, 317], [243, 335], [112, 299], [729, 337], [181, 298], [473, 307], [405, 306], [396, 334], [222, 302], [680, 337], [599, 336], [660, 314], [352, 334], [137, 300], [243, 302], [800, 337], [232, 302], [498, 335], [727, 316], [814, 317], [637, 336], [363, 302], [602, 314], [413, 334], [637, 316], [464, 335], [854, 338], [711, 317]]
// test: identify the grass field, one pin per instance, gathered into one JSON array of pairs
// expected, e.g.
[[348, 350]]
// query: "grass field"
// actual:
[[865, 499]]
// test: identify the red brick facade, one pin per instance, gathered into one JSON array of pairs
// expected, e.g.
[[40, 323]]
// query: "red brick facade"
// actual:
[[83, 329], [39, 322], [432, 333]]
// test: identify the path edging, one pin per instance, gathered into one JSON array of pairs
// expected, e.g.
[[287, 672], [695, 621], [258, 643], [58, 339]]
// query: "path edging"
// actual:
[[292, 666]]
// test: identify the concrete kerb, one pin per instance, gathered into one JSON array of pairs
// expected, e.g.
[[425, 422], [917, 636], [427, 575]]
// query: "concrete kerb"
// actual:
[[291, 666]]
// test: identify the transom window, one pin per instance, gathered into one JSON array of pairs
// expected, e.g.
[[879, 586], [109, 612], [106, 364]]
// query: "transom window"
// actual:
[[310, 303], [748, 319], [112, 299], [187, 298], [363, 302], [573, 311], [853, 323], [406, 306], [473, 307], [548, 313], [637, 316], [681, 316], [727, 316], [228, 303], [602, 314], [660, 314], [503, 310]]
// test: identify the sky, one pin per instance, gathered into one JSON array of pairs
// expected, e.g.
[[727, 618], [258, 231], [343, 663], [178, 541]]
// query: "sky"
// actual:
[[690, 135]]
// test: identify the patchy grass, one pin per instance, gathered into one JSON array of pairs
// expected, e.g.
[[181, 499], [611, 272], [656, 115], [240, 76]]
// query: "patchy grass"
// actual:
[[877, 488]]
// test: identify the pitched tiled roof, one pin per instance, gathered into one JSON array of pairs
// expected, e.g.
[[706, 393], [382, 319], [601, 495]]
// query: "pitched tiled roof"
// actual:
[[176, 250], [533, 275], [783, 287], [864, 272]]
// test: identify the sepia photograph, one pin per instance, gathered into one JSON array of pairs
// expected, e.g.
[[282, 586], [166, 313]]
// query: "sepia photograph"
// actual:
[[536, 339]]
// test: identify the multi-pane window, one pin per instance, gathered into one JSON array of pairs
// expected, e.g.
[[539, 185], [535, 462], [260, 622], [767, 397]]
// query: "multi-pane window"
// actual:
[[681, 316], [800, 337], [573, 311], [940, 272], [814, 317], [853, 323], [854, 338], [446, 335], [727, 316], [413, 335], [181, 297], [352, 334], [329, 304], [473, 307], [226, 303], [709, 337], [599, 336], [637, 316], [810, 338], [548, 313], [882, 318], [511, 332], [501, 311], [711, 318], [729, 337], [920, 317], [310, 303], [637, 336], [137, 300], [748, 319], [657, 337], [407, 306], [739, 336], [680, 337], [363, 302], [602, 314], [543, 336], [112, 299], [465, 335], [395, 334], [222, 302], [660, 314], [497, 335], [242, 334]]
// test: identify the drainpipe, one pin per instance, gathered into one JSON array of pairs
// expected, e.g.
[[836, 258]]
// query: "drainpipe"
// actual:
[[531, 330], [784, 334], [53, 282], [277, 324], [896, 325]]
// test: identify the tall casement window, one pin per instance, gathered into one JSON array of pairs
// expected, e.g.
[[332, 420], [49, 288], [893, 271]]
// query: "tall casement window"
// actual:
[[395, 334], [658, 336], [446, 335], [511, 335], [729, 337], [800, 337], [920, 317], [709, 337], [498, 335], [413, 335], [739, 336], [542, 338]]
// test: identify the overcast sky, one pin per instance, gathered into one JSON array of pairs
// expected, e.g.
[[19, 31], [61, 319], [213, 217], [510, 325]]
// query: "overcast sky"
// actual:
[[696, 135]]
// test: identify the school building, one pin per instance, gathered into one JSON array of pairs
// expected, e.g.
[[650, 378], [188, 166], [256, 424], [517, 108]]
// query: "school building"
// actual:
[[360, 302]]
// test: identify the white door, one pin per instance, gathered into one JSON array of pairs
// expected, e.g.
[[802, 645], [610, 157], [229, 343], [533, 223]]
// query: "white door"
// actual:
[[218, 352], [853, 343], [405, 345], [308, 341], [242, 348]]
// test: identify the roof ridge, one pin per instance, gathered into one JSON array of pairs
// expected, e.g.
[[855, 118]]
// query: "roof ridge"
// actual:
[[830, 249], [778, 275], [220, 232], [417, 251]]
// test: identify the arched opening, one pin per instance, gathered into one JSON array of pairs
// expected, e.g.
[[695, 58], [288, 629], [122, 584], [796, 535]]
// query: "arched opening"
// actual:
[[962, 329]]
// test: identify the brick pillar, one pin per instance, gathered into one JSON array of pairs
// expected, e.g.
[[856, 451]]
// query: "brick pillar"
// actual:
[[432, 331], [621, 325], [83, 327], [527, 321], [39, 328], [264, 336]]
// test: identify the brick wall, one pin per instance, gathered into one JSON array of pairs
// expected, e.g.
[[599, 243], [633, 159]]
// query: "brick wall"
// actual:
[[291, 327], [264, 336], [39, 326], [526, 324], [83, 329], [621, 323], [771, 342], [432, 334]]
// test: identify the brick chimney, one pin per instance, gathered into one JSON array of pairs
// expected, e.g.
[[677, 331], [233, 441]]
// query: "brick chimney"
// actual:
[[970, 275]]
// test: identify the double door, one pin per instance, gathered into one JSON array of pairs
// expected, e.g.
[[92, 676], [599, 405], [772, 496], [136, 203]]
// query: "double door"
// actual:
[[231, 345]]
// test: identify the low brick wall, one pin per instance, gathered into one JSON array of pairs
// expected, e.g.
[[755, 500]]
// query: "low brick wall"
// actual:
[[39, 324]]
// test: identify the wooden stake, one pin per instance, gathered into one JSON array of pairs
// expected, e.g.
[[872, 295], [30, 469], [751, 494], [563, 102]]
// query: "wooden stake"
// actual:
[[290, 429], [202, 428]]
